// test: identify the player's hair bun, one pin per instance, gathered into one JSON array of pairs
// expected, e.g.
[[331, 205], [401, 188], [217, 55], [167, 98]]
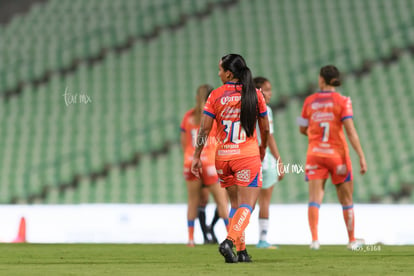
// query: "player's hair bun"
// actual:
[[335, 82]]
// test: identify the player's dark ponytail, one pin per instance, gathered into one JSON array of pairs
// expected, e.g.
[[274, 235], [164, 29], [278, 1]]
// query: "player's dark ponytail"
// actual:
[[331, 75], [249, 109]]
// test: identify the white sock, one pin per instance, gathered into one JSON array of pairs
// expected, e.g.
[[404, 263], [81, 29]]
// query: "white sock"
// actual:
[[263, 227]]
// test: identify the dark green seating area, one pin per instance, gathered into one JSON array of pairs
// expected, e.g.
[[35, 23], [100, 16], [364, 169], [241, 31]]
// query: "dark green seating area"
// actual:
[[51, 150]]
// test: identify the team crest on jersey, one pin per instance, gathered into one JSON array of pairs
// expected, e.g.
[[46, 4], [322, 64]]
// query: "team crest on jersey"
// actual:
[[243, 175]]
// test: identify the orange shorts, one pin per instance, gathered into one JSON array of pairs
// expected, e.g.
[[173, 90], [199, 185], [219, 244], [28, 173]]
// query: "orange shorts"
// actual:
[[208, 173], [242, 172], [318, 167]]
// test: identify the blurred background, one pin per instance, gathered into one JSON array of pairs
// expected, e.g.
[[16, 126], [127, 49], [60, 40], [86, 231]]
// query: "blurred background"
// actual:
[[93, 91]]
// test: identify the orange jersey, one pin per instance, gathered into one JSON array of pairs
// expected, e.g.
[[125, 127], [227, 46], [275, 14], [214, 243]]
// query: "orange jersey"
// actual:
[[190, 129], [324, 113], [224, 105]]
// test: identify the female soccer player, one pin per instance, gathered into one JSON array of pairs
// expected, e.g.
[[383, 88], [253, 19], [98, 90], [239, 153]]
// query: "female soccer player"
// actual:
[[189, 128], [235, 107], [270, 168], [323, 116]]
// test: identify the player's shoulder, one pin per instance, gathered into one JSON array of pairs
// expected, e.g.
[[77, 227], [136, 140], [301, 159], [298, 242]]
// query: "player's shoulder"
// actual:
[[342, 99], [217, 92], [340, 96]]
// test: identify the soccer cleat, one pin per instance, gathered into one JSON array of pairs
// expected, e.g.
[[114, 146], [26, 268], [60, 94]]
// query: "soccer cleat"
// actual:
[[191, 244], [265, 244], [243, 257], [226, 249], [356, 244], [315, 245]]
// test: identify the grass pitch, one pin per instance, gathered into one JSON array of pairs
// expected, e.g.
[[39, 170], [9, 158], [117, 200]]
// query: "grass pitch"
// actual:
[[146, 259]]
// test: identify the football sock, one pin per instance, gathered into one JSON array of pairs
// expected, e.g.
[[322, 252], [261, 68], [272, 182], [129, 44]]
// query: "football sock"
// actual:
[[215, 218], [263, 228], [241, 242], [239, 223], [349, 218], [238, 242], [201, 213], [313, 217], [190, 224]]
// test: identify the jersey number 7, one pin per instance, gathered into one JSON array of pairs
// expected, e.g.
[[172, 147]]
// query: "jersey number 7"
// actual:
[[325, 126]]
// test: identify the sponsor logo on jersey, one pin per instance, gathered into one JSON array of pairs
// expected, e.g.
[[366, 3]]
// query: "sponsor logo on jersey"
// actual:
[[322, 116], [327, 151], [311, 167], [318, 105], [227, 99], [324, 145], [230, 112], [228, 152], [230, 146]]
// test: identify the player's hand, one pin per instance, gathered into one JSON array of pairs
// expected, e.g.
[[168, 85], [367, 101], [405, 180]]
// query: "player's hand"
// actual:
[[196, 167], [280, 170], [262, 151], [363, 165]]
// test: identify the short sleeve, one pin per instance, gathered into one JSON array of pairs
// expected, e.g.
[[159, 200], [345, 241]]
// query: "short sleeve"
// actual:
[[209, 106], [270, 116], [347, 111], [261, 104], [303, 120]]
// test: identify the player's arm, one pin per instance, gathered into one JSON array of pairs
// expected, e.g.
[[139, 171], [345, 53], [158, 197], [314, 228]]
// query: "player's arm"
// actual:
[[203, 132], [303, 120], [264, 134], [354, 139], [183, 140]]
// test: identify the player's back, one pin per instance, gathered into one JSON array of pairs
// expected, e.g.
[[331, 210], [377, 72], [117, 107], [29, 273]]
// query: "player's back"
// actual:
[[325, 112], [190, 128], [224, 104]]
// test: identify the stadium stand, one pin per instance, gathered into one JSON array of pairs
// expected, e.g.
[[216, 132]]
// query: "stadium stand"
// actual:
[[139, 63]]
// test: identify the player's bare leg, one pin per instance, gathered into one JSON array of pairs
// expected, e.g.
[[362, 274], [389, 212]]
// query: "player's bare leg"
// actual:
[[220, 197]]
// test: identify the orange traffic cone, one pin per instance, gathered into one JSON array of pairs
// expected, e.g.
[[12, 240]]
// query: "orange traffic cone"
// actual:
[[21, 235]]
